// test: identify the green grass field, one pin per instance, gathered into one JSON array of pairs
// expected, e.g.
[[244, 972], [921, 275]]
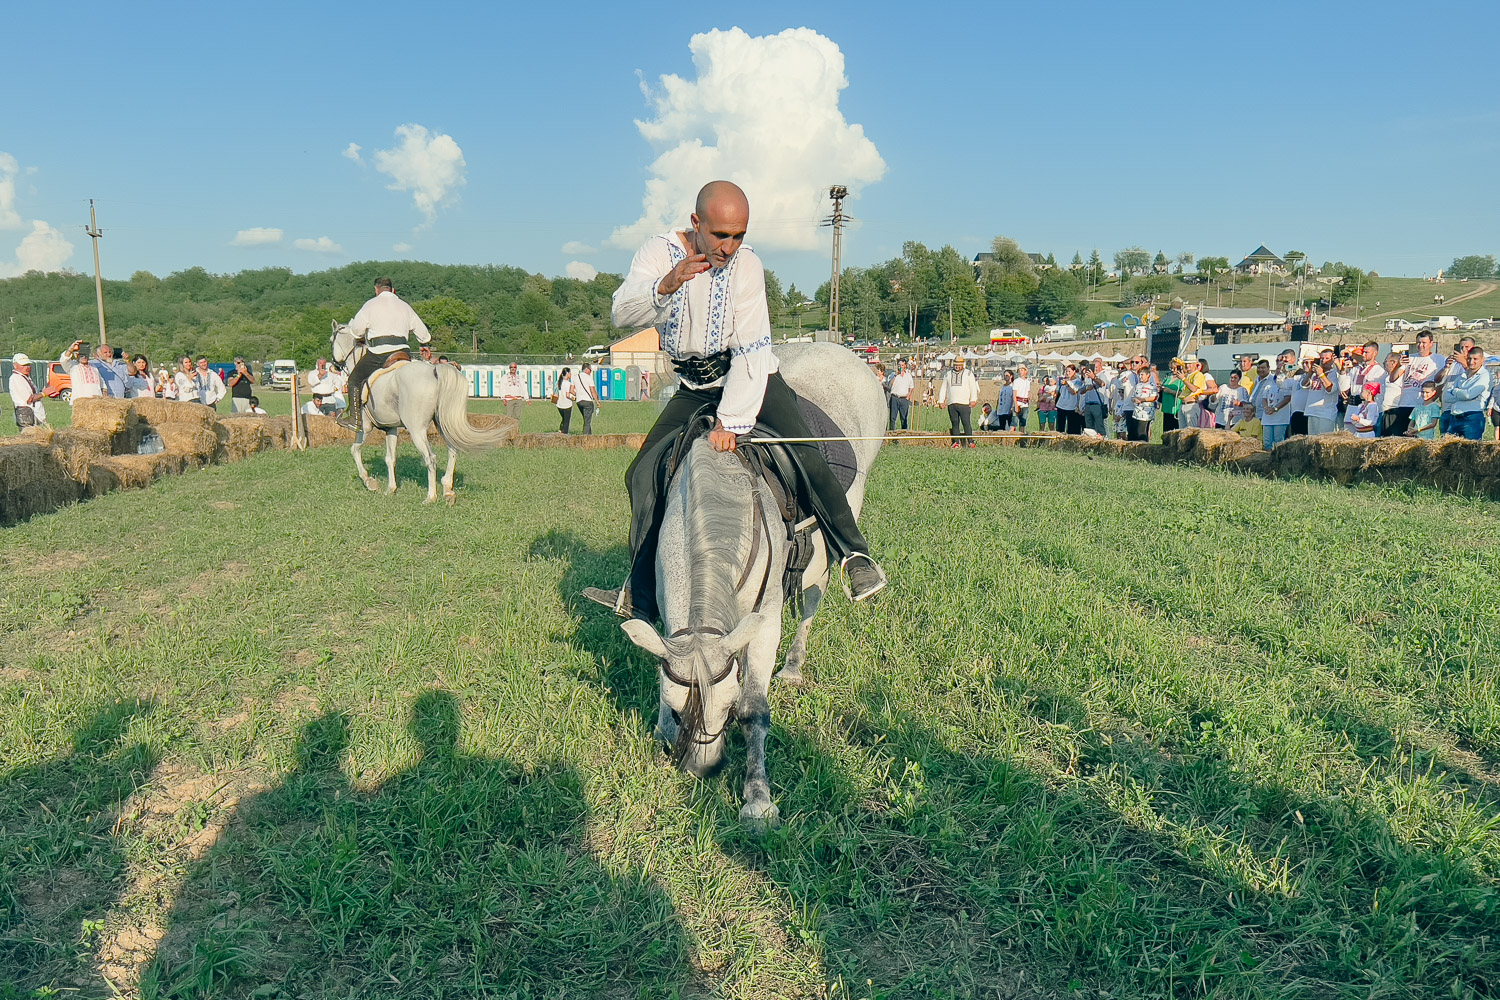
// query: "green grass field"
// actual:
[[1116, 730]]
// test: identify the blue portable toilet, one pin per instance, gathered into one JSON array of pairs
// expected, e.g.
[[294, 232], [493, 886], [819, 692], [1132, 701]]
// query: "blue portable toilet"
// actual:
[[617, 384], [474, 383], [490, 382], [536, 383], [601, 382]]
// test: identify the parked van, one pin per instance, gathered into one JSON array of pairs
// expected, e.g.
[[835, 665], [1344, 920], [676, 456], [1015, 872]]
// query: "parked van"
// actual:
[[1443, 323], [283, 373], [1399, 326], [1061, 331]]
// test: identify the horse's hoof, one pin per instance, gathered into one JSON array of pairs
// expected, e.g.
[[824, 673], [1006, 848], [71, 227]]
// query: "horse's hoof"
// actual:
[[429, 498], [372, 486], [759, 817], [451, 497], [792, 676], [390, 491]]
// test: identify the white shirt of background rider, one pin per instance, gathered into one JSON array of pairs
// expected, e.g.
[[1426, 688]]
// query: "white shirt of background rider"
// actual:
[[385, 320], [710, 313]]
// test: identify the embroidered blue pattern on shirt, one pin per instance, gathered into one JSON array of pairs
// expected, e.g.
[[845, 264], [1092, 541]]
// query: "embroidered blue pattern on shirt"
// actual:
[[763, 344], [672, 335], [719, 303]]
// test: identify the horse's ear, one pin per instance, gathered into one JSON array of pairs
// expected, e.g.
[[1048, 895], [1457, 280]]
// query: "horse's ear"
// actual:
[[646, 637], [335, 326], [744, 631]]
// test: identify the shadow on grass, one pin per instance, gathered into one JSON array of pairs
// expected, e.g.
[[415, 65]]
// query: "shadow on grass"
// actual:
[[461, 874], [60, 864]]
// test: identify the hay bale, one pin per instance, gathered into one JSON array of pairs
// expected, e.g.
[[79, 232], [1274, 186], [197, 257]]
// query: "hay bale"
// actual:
[[1257, 462], [1294, 457], [1392, 459], [246, 434], [77, 449], [1212, 446], [1180, 441], [1340, 454], [588, 442], [32, 481], [101, 413], [197, 446], [324, 431], [159, 413], [131, 472]]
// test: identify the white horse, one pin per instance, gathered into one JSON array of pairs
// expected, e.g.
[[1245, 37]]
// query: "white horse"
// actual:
[[415, 396], [720, 559]]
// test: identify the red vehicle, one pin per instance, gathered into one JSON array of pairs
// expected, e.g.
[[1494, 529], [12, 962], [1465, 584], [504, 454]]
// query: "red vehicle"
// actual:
[[59, 383]]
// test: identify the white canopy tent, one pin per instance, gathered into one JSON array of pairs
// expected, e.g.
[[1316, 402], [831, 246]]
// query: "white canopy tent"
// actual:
[[1052, 356], [1120, 357]]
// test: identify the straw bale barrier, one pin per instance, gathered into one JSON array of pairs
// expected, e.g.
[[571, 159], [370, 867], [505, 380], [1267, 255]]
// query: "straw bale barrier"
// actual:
[[588, 442], [32, 478]]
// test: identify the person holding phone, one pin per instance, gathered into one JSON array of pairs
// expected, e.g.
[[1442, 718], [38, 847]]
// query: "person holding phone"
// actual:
[[241, 385]]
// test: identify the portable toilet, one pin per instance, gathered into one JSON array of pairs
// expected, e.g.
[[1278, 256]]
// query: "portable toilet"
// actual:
[[474, 383], [617, 384], [633, 382], [489, 382], [601, 383], [536, 383]]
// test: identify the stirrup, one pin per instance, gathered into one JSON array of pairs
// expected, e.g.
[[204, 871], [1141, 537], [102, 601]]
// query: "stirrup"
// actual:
[[844, 576]]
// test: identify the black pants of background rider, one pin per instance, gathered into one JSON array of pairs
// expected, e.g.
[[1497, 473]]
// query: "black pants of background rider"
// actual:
[[363, 369], [779, 413]]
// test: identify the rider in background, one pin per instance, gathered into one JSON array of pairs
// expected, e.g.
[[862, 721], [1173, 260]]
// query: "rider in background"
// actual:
[[384, 325]]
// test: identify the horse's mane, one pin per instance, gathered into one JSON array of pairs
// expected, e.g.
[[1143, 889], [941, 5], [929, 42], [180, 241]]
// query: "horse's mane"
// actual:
[[717, 517]]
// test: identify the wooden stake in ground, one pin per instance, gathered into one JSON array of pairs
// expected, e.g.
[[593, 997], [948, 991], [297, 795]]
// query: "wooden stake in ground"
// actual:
[[299, 428]]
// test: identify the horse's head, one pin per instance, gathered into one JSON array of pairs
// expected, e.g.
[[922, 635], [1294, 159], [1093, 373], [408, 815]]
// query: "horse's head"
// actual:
[[701, 673], [341, 344]]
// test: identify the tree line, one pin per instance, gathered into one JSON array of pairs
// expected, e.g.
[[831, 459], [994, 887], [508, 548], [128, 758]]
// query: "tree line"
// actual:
[[275, 313]]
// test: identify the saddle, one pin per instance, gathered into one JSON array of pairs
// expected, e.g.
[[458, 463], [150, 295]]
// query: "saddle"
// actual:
[[396, 360], [779, 468]]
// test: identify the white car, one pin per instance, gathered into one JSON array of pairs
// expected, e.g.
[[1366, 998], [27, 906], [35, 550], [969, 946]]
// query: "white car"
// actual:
[[1399, 326]]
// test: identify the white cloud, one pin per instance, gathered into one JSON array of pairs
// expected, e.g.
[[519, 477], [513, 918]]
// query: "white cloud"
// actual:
[[42, 249], [581, 270], [9, 217], [255, 237], [320, 245], [351, 152], [764, 113], [401, 247], [430, 166], [574, 246]]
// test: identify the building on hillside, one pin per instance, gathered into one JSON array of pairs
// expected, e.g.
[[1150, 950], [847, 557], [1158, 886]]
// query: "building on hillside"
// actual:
[[642, 349], [1260, 261]]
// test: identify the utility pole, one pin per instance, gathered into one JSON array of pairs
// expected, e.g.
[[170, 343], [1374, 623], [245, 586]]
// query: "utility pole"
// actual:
[[93, 231], [838, 193]]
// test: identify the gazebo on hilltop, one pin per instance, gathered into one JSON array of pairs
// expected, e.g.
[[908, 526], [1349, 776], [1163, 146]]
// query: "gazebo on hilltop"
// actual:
[[1261, 260]]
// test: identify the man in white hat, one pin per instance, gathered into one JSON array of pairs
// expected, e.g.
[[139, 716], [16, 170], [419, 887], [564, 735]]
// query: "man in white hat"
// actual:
[[23, 394]]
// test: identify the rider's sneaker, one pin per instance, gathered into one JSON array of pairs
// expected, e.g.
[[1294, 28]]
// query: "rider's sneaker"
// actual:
[[347, 423], [866, 578]]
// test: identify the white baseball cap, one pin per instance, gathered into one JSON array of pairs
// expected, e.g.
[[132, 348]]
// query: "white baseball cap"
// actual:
[[20, 360]]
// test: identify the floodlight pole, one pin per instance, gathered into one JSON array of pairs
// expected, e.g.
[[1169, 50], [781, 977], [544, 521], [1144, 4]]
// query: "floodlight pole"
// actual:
[[95, 234], [838, 193]]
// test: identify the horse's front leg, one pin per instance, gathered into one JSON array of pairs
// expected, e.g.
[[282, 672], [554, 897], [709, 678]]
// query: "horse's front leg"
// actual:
[[759, 813], [390, 460], [358, 451]]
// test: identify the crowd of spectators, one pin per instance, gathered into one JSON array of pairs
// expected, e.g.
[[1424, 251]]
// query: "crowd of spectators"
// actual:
[[107, 372], [1346, 388]]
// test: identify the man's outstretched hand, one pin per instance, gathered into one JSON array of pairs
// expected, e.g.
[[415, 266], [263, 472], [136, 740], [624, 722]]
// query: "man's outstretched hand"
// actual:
[[720, 439], [686, 270]]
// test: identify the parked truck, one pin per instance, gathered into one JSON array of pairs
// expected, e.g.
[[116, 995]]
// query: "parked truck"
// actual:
[[1060, 331]]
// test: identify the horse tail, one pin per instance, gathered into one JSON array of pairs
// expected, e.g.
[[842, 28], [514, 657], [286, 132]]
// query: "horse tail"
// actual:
[[453, 415]]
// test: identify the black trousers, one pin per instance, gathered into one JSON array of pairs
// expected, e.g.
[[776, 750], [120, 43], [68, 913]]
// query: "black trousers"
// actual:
[[960, 413], [586, 411], [1070, 421], [567, 418], [1168, 422], [367, 366], [1394, 423], [1138, 430], [1297, 426], [645, 481]]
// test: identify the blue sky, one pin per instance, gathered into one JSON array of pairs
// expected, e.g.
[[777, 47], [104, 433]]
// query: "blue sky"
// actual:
[[1367, 133]]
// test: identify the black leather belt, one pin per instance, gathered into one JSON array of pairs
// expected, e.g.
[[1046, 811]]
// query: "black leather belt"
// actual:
[[703, 370]]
